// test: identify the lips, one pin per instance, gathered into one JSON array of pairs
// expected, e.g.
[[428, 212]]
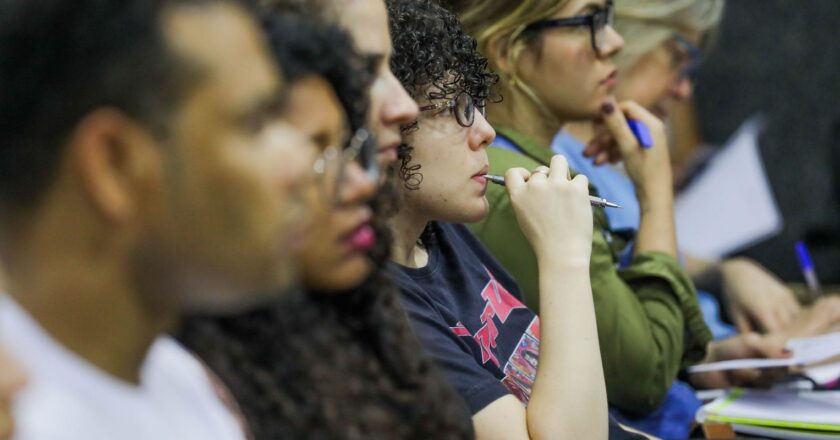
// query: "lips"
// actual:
[[481, 176], [388, 152], [362, 239], [611, 79]]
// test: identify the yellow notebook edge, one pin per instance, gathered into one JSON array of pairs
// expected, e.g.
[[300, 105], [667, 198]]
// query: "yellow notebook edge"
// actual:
[[775, 423]]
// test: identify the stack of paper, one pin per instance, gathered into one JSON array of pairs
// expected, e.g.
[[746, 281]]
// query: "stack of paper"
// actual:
[[784, 415]]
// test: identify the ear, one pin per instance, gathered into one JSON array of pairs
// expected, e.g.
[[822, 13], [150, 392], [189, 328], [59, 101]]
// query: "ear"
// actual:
[[498, 49], [117, 161]]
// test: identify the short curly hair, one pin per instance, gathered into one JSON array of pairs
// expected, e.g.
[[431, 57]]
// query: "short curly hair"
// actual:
[[434, 58]]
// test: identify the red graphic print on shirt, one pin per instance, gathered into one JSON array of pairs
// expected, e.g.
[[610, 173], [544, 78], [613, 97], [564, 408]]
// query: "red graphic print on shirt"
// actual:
[[520, 369]]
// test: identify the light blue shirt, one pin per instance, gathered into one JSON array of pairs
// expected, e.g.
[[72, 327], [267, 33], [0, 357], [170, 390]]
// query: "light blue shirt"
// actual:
[[611, 183]]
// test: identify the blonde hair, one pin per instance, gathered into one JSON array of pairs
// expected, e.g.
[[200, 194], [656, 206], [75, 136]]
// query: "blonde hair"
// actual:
[[505, 21], [645, 24]]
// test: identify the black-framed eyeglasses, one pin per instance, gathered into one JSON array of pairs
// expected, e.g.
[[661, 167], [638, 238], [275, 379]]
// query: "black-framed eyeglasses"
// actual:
[[462, 105], [597, 22], [690, 64], [331, 165]]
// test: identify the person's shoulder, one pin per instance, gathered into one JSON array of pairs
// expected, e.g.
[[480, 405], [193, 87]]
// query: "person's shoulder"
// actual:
[[183, 384], [46, 410], [171, 367]]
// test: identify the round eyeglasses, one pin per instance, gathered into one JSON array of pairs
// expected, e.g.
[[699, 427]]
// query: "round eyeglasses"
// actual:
[[462, 105], [597, 22], [331, 165]]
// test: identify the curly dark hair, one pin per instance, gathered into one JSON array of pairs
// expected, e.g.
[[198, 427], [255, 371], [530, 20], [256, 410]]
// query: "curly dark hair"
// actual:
[[329, 365], [434, 58]]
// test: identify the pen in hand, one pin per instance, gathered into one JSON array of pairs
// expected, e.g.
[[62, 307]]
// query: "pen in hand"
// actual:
[[594, 201], [808, 270]]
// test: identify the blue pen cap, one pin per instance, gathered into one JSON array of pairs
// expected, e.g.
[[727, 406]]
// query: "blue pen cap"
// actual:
[[642, 133], [804, 256]]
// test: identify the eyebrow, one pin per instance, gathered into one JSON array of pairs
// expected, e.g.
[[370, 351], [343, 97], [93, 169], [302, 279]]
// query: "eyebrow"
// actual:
[[271, 105], [373, 60], [592, 6], [321, 139]]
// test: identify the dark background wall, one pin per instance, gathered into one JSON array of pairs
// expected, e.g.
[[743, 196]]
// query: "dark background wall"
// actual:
[[782, 58]]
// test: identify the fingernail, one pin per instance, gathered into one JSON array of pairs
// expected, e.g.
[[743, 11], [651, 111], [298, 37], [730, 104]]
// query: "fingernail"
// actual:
[[607, 108]]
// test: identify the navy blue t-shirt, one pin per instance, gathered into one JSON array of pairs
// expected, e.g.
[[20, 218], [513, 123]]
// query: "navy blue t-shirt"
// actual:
[[469, 316]]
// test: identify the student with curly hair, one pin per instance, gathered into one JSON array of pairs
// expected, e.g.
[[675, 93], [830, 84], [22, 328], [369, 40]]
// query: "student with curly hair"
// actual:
[[337, 360], [521, 376], [556, 60]]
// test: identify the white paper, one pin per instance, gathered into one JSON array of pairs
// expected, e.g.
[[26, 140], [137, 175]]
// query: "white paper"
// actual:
[[824, 374], [805, 351], [814, 407], [731, 204]]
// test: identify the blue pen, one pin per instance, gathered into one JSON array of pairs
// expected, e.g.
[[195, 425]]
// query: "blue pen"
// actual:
[[808, 270], [642, 133]]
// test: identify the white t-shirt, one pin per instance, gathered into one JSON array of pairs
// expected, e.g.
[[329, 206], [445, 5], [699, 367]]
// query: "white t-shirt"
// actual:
[[68, 398]]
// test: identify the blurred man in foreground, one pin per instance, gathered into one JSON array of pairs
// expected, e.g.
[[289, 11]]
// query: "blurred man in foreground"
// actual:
[[143, 174]]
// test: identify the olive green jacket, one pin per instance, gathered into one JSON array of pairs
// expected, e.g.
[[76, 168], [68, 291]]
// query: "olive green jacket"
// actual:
[[649, 322]]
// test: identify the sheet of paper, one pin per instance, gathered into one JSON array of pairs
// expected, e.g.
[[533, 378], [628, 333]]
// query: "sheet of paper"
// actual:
[[805, 351], [759, 407], [731, 204], [824, 374]]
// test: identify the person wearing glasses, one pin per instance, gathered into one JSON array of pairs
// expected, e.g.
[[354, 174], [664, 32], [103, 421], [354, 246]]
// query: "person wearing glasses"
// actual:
[[555, 60], [665, 45], [336, 359], [521, 376]]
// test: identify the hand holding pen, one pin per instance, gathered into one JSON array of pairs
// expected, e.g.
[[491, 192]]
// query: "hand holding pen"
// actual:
[[630, 133], [538, 196], [808, 270], [594, 201]]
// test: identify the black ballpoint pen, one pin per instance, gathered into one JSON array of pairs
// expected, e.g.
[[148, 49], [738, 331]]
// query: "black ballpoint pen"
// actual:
[[594, 201]]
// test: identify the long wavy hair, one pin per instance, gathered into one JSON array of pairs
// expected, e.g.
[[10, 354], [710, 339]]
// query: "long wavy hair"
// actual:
[[325, 365]]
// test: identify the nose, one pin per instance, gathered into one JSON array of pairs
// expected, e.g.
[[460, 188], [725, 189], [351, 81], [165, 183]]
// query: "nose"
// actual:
[[481, 133], [613, 43], [399, 108], [356, 186], [682, 88]]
